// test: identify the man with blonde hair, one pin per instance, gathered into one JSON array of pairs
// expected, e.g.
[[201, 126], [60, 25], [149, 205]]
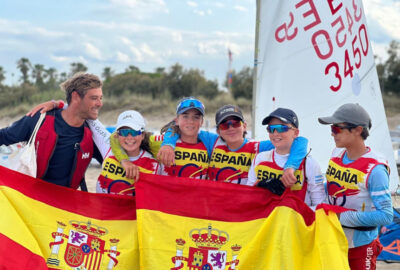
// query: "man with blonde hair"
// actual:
[[63, 143]]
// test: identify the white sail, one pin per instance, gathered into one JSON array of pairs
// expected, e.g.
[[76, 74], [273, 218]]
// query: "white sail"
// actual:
[[312, 57]]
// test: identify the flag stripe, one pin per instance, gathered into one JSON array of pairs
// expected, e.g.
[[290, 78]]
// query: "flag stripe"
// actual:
[[98, 206], [213, 200], [27, 218], [199, 237], [18, 257]]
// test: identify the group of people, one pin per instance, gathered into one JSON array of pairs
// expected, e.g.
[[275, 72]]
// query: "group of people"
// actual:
[[357, 178]]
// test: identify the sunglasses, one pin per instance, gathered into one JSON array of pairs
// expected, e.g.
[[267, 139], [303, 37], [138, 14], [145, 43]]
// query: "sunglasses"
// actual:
[[226, 124], [278, 128], [337, 129], [126, 132], [190, 103]]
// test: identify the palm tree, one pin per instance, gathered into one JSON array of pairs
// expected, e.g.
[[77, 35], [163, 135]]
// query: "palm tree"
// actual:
[[132, 68], [2, 75], [78, 67], [107, 73], [39, 74], [51, 74], [24, 65], [63, 77]]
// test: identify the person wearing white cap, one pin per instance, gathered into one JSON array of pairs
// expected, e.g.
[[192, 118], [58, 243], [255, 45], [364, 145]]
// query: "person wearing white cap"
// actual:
[[134, 141], [130, 132], [358, 179]]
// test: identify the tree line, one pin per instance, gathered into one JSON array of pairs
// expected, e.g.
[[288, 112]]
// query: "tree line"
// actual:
[[37, 83], [389, 71]]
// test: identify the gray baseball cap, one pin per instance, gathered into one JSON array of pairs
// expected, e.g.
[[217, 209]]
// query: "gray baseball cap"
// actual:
[[351, 113]]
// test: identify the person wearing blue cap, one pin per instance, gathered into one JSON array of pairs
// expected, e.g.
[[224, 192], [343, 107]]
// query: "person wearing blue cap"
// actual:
[[358, 179], [230, 152], [267, 167]]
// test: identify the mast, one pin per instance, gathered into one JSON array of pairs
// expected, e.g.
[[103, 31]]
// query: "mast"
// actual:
[[253, 111]]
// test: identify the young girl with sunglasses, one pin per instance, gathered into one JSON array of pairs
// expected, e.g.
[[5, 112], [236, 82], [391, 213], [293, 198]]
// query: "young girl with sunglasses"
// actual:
[[267, 167], [130, 132], [231, 153], [191, 156]]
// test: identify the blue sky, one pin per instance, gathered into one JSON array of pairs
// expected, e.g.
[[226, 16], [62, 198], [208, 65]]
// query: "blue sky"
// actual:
[[148, 33]]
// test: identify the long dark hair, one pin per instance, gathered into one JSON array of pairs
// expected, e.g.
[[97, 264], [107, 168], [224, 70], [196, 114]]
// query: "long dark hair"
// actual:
[[145, 144]]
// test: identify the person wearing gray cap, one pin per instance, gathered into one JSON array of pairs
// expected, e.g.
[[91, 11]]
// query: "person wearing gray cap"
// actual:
[[358, 179], [231, 153]]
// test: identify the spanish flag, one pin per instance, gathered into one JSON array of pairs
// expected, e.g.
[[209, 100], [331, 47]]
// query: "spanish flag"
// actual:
[[44, 226], [193, 224]]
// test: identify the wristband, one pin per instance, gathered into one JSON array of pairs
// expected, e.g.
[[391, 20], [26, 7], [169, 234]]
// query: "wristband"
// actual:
[[60, 104], [54, 104]]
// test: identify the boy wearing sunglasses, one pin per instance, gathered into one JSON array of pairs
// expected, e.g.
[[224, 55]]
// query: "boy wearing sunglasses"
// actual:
[[267, 167], [231, 153], [358, 179]]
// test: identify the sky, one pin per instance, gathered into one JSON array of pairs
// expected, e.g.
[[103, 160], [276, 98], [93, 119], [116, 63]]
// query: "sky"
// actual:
[[149, 33]]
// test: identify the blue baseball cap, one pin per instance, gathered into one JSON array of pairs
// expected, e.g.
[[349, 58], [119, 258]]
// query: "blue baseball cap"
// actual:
[[190, 103]]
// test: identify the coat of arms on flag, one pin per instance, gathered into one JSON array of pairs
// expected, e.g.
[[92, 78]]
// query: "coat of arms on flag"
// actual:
[[85, 249], [208, 254]]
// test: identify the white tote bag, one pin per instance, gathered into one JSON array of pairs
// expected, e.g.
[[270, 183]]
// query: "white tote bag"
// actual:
[[25, 161]]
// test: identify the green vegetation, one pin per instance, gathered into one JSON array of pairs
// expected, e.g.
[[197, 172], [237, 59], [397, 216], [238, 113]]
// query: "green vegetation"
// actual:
[[389, 71], [158, 91]]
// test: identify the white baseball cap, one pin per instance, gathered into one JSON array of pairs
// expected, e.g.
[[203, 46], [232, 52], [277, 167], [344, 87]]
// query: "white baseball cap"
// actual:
[[132, 119]]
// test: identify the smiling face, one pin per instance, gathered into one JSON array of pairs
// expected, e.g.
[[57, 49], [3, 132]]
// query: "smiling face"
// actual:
[[131, 144], [90, 104], [282, 141], [189, 124], [233, 136]]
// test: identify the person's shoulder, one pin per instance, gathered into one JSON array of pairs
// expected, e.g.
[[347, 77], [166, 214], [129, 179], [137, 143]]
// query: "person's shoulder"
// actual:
[[311, 159], [312, 163], [31, 120], [148, 155], [262, 156], [378, 156], [338, 152]]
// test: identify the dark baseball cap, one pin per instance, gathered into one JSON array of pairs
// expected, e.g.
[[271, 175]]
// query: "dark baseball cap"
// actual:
[[351, 113], [285, 115], [227, 111]]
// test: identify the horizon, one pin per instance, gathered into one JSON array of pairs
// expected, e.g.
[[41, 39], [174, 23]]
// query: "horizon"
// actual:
[[149, 34]]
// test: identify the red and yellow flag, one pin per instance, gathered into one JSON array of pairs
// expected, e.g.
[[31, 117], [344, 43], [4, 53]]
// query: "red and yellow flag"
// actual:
[[191, 224], [44, 226]]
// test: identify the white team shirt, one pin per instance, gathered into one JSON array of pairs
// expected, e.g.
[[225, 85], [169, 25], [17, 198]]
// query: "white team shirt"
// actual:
[[315, 187]]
